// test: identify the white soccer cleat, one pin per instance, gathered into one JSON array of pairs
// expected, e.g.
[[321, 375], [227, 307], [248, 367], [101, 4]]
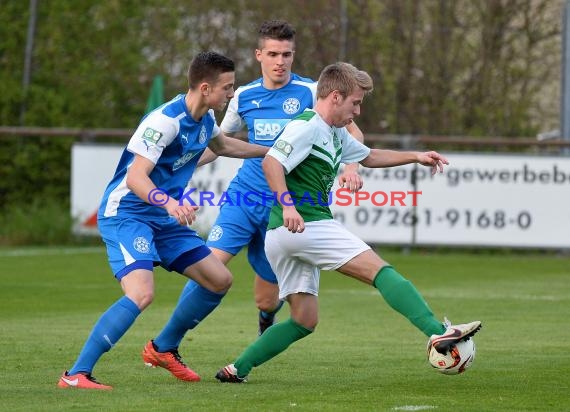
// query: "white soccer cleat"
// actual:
[[453, 334]]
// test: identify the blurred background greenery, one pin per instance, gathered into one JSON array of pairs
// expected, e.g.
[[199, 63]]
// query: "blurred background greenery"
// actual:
[[441, 67]]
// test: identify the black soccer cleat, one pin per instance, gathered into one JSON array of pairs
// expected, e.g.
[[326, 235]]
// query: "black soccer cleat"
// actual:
[[228, 374]]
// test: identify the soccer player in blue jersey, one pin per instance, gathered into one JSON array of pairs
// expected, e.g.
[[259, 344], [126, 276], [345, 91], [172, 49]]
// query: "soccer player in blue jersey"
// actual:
[[145, 222], [264, 106]]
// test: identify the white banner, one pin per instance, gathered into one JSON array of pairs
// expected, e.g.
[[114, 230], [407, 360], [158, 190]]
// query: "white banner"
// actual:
[[480, 199], [92, 167], [497, 200]]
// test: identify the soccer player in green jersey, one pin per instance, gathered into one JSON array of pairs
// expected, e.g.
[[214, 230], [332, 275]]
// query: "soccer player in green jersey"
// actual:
[[302, 236]]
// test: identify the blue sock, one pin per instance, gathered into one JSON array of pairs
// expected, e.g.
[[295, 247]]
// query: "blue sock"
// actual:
[[110, 327], [195, 303], [271, 315], [190, 286]]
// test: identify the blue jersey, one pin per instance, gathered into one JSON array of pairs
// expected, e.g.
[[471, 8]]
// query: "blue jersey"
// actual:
[[265, 113], [171, 139]]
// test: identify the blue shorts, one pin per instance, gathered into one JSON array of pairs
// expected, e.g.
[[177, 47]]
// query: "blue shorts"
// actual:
[[243, 225], [135, 243]]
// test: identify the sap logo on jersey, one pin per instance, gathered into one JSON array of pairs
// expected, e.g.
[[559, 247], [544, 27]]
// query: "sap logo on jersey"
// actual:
[[268, 129]]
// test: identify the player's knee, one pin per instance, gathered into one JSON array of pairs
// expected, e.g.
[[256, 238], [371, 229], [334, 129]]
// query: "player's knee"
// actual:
[[143, 299], [146, 301], [308, 322], [266, 303], [310, 325], [222, 283]]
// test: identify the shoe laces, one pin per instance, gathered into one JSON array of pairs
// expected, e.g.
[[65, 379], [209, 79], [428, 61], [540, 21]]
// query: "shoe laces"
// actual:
[[446, 322], [92, 378], [177, 357]]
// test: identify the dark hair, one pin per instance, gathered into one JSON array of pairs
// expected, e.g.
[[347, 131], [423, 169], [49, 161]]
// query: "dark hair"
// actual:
[[207, 66], [276, 30]]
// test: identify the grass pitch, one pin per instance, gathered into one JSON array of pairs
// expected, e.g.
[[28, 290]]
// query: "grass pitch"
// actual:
[[362, 357]]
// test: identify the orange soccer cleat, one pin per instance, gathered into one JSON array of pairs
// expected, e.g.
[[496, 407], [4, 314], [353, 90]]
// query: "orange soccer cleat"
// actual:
[[81, 381], [169, 360]]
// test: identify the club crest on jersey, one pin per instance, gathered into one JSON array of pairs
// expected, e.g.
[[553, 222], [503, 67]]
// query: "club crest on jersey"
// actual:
[[151, 135], [268, 129], [141, 245], [283, 147], [203, 135], [291, 105]]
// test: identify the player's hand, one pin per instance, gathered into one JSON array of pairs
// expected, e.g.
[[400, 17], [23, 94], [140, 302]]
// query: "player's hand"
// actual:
[[433, 159], [185, 214], [292, 220], [350, 179]]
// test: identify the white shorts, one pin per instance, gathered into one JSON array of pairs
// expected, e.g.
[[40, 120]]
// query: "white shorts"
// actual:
[[296, 258]]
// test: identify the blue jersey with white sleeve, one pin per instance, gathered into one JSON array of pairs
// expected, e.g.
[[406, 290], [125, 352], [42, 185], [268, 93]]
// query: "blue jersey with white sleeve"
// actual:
[[171, 139], [265, 112]]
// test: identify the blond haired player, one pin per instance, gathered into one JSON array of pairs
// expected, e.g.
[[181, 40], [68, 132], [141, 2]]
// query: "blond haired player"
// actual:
[[303, 237]]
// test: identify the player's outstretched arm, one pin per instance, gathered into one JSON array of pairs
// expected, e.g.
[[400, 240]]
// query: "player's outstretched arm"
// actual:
[[275, 176], [223, 145], [209, 156], [388, 158]]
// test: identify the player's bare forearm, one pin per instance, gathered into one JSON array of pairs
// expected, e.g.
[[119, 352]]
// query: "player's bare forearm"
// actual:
[[275, 176], [388, 158], [230, 147], [139, 182], [207, 157], [350, 179], [351, 168]]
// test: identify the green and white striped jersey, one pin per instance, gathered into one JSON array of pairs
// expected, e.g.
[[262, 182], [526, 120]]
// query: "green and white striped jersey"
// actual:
[[311, 151]]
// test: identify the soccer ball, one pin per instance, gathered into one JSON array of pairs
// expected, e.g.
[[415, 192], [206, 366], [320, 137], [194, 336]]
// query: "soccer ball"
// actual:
[[456, 360]]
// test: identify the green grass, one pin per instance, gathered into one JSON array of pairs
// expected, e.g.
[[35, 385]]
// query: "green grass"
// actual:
[[37, 222], [362, 357]]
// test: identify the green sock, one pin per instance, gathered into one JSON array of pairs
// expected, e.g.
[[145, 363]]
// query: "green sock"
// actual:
[[403, 297], [273, 341]]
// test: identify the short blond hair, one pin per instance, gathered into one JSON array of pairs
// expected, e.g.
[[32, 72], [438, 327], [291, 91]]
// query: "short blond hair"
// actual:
[[343, 77]]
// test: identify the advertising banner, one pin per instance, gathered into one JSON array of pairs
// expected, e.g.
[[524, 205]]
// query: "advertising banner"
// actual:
[[479, 200]]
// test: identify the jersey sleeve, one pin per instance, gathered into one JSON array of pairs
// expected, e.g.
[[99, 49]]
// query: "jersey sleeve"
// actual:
[[352, 150], [152, 135], [313, 88], [293, 145], [216, 130], [232, 121]]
